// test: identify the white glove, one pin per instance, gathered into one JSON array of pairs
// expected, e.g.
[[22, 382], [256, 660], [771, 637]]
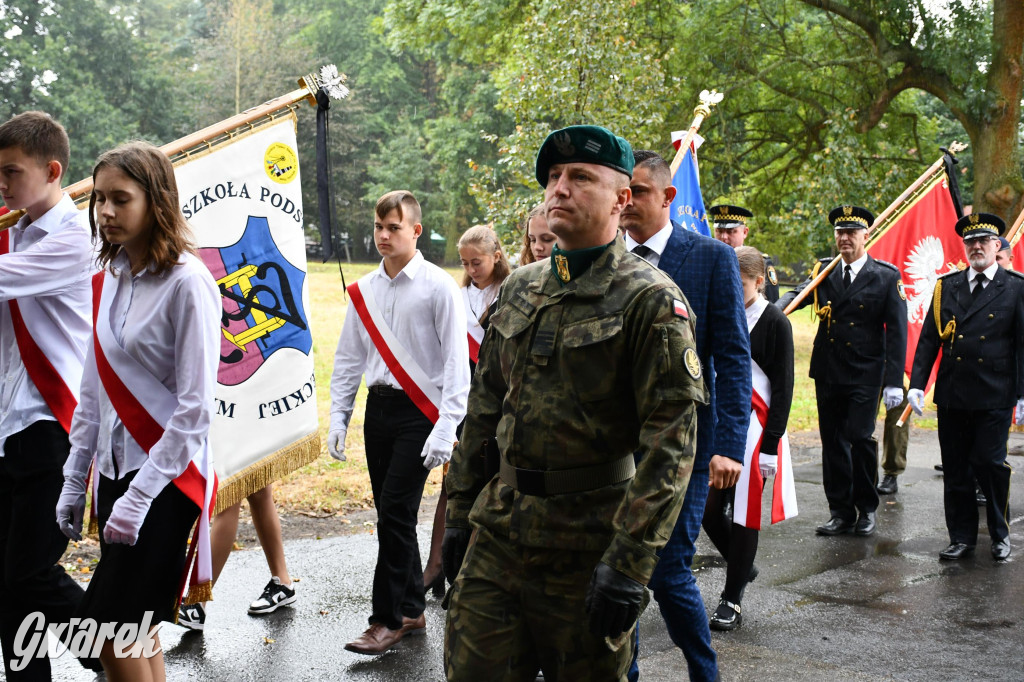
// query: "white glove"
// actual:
[[438, 448], [892, 396], [768, 464], [1018, 414], [71, 505], [336, 444], [915, 397], [122, 528]]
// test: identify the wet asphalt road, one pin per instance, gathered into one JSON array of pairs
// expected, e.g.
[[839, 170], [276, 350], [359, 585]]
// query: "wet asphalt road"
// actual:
[[842, 608]]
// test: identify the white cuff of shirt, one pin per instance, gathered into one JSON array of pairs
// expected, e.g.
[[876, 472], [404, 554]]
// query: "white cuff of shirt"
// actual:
[[77, 463], [149, 480]]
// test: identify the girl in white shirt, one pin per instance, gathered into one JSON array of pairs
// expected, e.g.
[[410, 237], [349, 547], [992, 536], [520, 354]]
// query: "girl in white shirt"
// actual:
[[158, 334], [485, 268]]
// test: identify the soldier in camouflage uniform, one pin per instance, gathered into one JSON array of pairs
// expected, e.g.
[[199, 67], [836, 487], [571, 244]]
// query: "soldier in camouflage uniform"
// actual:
[[589, 357]]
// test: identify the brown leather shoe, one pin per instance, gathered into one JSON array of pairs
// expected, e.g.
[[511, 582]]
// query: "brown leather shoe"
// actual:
[[376, 640], [413, 626]]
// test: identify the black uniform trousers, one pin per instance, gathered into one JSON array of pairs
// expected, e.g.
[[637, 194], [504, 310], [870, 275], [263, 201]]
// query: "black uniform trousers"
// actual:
[[975, 441], [849, 451], [394, 432], [31, 478]]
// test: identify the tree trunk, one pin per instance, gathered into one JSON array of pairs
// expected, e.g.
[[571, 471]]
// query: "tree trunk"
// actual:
[[998, 185]]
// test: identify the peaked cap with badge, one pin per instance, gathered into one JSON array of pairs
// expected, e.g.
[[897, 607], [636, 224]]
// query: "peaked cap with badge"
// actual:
[[584, 144], [978, 225], [850, 217], [726, 216]]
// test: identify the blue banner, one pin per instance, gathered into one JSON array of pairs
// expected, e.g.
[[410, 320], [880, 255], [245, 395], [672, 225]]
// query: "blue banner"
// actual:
[[688, 206]]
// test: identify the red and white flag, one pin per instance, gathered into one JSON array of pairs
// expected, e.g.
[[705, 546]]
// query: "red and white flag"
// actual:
[[921, 242]]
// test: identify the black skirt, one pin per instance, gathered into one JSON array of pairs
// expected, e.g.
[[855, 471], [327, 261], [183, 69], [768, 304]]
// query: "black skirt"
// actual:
[[130, 580]]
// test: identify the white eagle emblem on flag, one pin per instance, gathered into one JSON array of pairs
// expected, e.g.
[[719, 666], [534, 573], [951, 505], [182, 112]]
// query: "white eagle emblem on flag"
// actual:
[[925, 262]]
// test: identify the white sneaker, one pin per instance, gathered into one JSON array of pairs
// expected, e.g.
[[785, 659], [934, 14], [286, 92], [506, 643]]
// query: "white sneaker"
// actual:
[[275, 595]]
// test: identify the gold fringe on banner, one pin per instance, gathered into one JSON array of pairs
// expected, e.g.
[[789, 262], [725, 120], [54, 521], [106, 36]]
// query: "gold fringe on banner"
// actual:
[[199, 593], [273, 467]]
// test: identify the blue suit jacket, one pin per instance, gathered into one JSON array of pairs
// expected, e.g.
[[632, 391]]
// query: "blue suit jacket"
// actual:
[[709, 275]]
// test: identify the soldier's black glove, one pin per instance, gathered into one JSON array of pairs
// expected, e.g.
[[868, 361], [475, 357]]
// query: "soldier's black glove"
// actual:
[[613, 601], [453, 550]]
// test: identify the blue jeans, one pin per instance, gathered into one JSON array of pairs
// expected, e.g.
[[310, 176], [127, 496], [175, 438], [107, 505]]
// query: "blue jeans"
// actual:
[[676, 591]]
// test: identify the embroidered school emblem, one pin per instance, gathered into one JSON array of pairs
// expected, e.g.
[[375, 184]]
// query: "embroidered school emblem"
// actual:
[[261, 294], [773, 278], [899, 288], [692, 363]]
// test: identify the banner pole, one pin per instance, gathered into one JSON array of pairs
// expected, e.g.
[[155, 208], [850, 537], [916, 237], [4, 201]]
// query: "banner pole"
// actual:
[[708, 100], [307, 92], [877, 227]]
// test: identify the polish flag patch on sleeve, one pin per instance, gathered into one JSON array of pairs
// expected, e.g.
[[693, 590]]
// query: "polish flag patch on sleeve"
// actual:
[[679, 308]]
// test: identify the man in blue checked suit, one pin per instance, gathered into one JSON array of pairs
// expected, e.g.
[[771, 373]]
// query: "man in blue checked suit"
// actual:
[[708, 273]]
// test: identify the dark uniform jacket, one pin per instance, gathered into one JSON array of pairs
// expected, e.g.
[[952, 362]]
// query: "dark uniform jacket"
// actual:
[[771, 289], [579, 375], [982, 363], [862, 338]]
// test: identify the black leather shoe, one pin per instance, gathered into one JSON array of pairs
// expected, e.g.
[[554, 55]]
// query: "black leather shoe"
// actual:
[[1001, 550], [726, 617], [979, 497], [888, 485], [938, 467], [865, 524], [835, 526], [956, 551]]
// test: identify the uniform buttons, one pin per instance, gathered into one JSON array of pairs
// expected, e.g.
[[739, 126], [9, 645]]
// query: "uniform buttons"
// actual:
[[980, 360], [990, 316], [831, 340], [851, 324], [848, 343], [862, 306], [983, 338], [958, 358], [959, 336]]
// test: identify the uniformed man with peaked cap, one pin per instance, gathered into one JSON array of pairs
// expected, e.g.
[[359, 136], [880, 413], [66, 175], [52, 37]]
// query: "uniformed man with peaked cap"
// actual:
[[590, 357], [731, 227], [977, 319], [860, 347]]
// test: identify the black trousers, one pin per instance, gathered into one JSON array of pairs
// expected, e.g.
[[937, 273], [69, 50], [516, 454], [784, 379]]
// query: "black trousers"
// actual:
[[31, 478], [394, 432], [975, 441], [849, 451]]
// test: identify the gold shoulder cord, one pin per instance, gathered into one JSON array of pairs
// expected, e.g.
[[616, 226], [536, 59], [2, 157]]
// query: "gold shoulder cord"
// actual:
[[950, 329], [823, 312]]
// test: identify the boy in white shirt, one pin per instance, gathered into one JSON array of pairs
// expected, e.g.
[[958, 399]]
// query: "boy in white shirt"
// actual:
[[405, 330], [46, 261]]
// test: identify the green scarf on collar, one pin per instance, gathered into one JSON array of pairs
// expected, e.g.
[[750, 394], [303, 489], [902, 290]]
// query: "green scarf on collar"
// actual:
[[569, 265]]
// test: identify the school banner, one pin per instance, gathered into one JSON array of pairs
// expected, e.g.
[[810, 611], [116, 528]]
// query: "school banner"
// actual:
[[687, 207], [243, 200]]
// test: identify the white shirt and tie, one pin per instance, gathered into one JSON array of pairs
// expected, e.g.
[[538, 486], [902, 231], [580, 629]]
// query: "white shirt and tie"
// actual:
[[975, 278], [651, 249]]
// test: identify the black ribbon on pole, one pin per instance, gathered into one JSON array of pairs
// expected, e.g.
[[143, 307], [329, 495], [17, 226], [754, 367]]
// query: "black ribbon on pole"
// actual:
[[950, 161], [324, 174]]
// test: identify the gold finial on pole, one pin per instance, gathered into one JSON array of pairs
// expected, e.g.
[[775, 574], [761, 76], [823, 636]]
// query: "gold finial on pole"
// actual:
[[708, 101]]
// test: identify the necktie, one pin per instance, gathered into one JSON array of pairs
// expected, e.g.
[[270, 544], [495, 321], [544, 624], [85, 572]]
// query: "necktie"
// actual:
[[979, 284], [846, 276], [644, 252]]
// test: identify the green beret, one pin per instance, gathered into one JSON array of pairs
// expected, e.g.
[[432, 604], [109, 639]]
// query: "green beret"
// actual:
[[584, 144]]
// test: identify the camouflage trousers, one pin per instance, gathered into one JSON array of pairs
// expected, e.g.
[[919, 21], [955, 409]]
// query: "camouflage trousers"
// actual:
[[517, 610]]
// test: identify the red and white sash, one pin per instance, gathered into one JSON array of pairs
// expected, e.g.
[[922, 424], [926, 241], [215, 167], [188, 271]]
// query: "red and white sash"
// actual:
[[410, 376], [56, 373], [144, 406]]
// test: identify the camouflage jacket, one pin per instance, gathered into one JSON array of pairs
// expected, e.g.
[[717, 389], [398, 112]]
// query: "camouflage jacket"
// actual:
[[575, 376]]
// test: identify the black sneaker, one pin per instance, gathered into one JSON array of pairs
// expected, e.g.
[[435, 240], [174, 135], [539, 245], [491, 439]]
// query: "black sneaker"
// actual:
[[274, 596], [192, 616]]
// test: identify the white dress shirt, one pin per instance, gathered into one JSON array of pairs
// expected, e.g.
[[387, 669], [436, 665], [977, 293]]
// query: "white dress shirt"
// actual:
[[51, 260], [476, 303], [657, 243], [170, 324], [855, 266], [424, 309], [972, 276]]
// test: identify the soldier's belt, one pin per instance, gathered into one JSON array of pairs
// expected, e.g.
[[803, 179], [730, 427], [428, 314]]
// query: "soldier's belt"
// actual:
[[565, 481]]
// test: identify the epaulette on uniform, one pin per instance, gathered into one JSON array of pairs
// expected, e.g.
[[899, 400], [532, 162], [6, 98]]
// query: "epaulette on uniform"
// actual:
[[826, 260], [887, 264], [951, 272], [1015, 273]]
